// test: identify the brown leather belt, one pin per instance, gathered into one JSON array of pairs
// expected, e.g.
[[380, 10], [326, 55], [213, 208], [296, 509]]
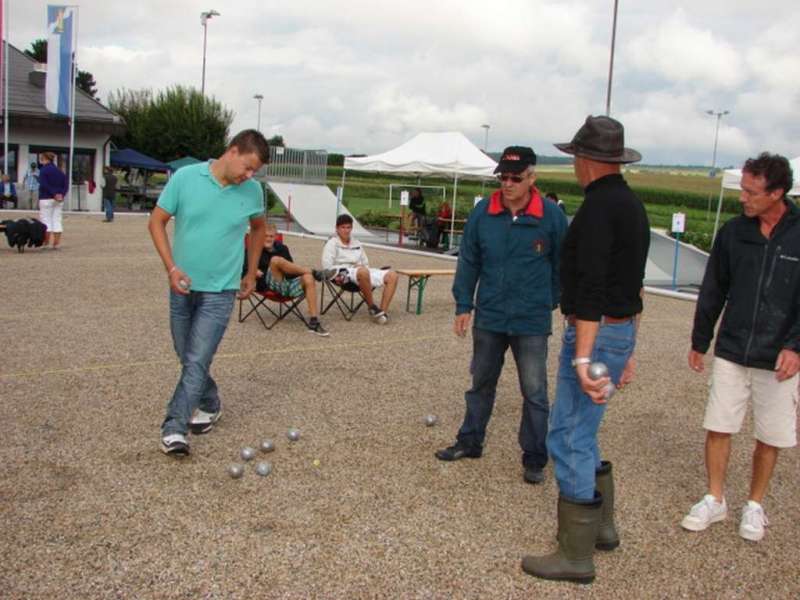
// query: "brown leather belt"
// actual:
[[570, 319]]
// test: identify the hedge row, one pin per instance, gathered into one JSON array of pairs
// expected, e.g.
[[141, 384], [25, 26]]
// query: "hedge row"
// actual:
[[646, 195]]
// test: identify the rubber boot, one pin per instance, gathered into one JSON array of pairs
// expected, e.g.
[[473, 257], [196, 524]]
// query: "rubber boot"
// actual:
[[578, 524], [607, 537]]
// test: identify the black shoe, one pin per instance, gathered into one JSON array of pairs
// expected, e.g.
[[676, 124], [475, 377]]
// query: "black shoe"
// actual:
[[458, 451], [316, 327], [533, 475]]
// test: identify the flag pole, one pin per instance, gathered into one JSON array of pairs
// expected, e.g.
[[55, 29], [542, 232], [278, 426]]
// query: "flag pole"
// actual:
[[5, 87], [74, 73]]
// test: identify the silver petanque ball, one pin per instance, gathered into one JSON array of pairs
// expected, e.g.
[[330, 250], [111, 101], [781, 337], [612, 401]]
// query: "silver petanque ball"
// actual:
[[235, 471], [598, 370], [247, 453], [431, 420], [267, 446], [293, 434], [184, 285], [263, 469]]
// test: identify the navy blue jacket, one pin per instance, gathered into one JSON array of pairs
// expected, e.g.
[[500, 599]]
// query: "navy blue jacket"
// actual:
[[514, 262], [51, 182]]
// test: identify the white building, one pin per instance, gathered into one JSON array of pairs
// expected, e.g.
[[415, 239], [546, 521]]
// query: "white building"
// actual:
[[33, 130]]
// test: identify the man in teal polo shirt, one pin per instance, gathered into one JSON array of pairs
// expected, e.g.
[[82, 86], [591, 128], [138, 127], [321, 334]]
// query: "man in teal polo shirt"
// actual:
[[212, 204]]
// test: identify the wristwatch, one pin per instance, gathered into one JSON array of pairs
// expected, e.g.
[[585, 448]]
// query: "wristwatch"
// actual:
[[581, 361]]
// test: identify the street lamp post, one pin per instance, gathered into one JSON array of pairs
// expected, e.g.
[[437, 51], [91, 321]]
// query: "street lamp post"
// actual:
[[611, 60], [719, 115], [204, 17], [259, 97], [485, 137]]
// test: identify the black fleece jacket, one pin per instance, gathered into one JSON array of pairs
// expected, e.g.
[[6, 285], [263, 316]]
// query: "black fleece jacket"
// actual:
[[757, 281]]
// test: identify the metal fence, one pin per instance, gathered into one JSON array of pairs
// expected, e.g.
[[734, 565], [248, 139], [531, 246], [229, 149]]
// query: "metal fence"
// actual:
[[296, 166]]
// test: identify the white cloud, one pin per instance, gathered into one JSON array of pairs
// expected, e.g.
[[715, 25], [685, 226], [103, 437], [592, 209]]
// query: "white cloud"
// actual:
[[363, 76], [680, 52]]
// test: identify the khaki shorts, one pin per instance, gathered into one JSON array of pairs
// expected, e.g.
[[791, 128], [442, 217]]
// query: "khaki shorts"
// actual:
[[774, 403]]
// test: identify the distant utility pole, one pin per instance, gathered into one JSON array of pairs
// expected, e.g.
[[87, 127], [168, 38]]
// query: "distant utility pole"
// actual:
[[259, 97], [486, 138], [204, 17], [611, 61]]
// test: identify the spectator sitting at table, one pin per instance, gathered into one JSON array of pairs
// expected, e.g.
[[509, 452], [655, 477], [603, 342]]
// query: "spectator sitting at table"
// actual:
[[345, 254], [444, 215], [8, 191], [278, 273]]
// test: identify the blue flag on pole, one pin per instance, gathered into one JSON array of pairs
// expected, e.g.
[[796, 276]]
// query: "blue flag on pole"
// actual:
[[60, 48]]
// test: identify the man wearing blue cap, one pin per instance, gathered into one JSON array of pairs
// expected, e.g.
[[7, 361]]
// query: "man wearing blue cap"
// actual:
[[510, 251]]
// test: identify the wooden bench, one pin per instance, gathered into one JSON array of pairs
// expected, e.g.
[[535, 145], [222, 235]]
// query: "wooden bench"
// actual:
[[417, 279]]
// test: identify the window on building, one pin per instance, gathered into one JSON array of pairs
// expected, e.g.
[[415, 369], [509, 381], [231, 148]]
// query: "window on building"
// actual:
[[82, 164], [13, 156]]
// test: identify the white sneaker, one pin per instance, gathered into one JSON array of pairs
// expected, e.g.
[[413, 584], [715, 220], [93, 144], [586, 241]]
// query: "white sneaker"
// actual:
[[203, 422], [175, 444], [704, 513], [753, 522]]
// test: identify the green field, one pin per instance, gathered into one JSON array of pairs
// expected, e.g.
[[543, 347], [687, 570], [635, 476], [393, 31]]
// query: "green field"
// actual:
[[368, 193]]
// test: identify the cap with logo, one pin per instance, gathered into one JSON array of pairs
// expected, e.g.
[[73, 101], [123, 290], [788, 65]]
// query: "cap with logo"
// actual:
[[515, 159]]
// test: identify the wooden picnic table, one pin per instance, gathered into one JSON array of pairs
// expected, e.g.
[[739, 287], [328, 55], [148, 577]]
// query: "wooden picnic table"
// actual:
[[417, 279]]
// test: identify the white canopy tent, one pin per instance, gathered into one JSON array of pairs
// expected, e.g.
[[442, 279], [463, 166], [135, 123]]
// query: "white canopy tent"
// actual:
[[731, 180], [426, 154]]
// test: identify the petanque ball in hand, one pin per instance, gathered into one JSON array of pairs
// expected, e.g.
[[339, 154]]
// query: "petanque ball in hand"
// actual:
[[598, 370]]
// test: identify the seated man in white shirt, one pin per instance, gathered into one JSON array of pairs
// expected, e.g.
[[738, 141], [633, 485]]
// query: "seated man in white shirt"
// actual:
[[344, 253]]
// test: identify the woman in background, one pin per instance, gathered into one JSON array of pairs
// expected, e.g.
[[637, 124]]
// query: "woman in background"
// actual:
[[52, 189]]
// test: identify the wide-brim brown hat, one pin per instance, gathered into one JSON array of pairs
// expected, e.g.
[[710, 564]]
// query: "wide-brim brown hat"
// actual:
[[601, 139]]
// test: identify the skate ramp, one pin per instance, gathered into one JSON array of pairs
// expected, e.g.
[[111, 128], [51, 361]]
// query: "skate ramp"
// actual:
[[660, 260], [313, 207]]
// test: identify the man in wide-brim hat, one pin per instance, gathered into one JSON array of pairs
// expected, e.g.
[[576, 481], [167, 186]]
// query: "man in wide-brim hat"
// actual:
[[602, 269]]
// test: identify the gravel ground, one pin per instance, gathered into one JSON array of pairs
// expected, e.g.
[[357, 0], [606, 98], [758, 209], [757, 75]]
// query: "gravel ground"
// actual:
[[359, 507]]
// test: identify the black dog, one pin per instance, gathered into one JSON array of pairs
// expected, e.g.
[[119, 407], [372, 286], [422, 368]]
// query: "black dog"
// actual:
[[24, 232]]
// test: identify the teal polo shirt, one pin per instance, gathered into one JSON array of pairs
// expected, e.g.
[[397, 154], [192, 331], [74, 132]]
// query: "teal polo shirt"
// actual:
[[210, 225]]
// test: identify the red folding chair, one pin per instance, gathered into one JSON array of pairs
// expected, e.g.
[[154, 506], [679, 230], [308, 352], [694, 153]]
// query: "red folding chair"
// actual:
[[269, 316]]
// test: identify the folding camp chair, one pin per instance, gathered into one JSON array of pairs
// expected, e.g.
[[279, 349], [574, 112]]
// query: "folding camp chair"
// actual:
[[346, 297], [260, 303], [269, 316]]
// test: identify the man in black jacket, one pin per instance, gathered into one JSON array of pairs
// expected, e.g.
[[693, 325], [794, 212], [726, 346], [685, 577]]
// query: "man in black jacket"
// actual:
[[754, 273]]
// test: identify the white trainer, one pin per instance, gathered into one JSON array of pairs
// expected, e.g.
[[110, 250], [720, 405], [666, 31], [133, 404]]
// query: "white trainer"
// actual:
[[753, 521], [203, 422], [175, 444], [704, 513]]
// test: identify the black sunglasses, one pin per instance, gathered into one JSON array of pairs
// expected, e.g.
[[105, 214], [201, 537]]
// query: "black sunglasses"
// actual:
[[514, 178]]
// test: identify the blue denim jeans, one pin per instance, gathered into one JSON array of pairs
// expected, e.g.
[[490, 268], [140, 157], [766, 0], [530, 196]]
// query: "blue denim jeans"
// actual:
[[488, 355], [575, 419], [198, 322], [108, 206]]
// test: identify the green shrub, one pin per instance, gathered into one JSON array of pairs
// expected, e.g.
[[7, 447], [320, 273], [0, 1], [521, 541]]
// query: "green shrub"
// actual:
[[698, 239]]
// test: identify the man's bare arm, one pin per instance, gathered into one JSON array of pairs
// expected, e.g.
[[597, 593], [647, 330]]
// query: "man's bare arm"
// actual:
[[158, 232]]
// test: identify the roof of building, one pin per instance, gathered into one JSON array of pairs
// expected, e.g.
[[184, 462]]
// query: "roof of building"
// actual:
[[26, 100]]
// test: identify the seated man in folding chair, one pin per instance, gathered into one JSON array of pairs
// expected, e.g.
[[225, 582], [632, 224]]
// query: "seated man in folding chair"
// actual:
[[278, 273], [345, 254]]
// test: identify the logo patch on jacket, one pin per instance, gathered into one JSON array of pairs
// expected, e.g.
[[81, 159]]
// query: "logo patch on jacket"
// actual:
[[538, 246]]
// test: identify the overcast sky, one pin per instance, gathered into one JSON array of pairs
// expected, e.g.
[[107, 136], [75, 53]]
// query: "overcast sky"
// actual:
[[357, 76]]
